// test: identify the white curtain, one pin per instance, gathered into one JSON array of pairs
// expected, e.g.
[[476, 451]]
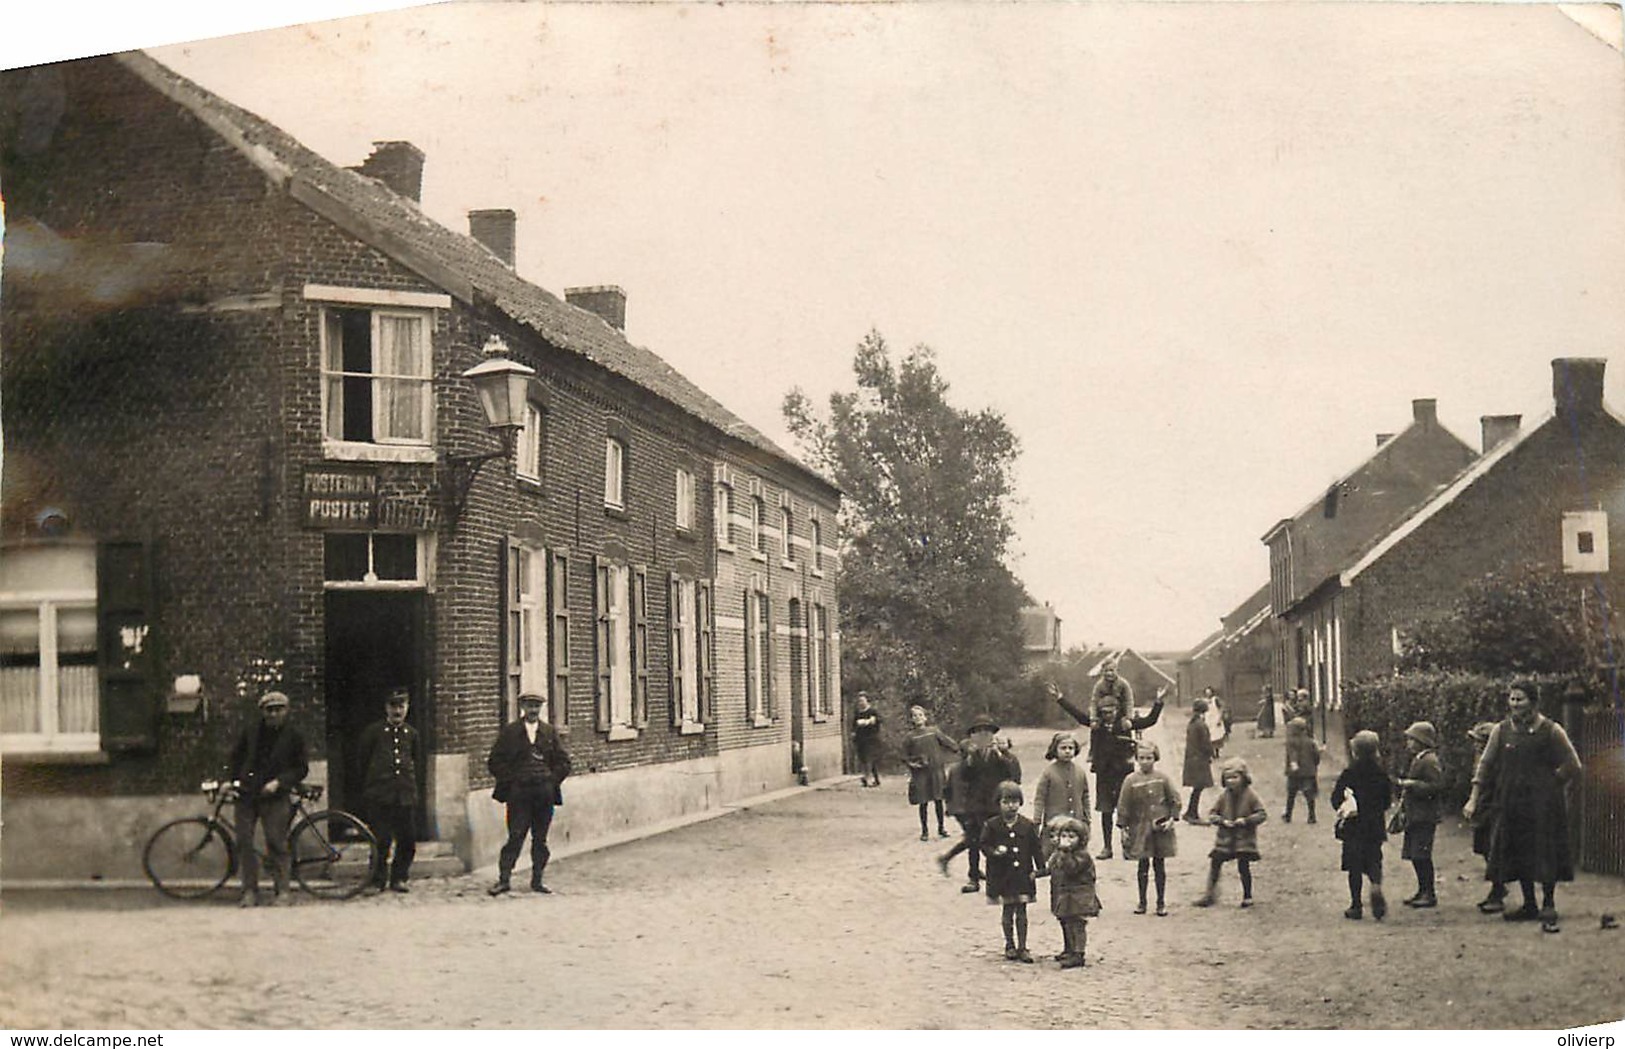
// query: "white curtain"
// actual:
[[403, 385]]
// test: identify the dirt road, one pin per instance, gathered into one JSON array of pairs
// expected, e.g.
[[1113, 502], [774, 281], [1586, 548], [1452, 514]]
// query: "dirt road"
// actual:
[[822, 910]]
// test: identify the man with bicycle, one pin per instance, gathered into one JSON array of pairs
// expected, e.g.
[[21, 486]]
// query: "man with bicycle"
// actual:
[[528, 762], [267, 760]]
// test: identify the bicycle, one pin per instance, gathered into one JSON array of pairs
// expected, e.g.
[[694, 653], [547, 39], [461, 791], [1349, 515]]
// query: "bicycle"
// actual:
[[333, 854]]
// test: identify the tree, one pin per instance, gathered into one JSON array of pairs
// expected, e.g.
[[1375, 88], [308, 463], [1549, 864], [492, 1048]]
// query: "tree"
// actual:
[[930, 613], [1529, 620]]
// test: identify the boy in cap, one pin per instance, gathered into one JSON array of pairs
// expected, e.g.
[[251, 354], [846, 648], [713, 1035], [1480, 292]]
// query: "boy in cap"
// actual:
[[1419, 801], [391, 752], [267, 760], [986, 764], [528, 763]]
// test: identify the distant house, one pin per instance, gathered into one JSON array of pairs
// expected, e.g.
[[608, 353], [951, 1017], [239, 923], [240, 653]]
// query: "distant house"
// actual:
[[1040, 633], [1236, 661], [1308, 550], [1550, 496], [1142, 674]]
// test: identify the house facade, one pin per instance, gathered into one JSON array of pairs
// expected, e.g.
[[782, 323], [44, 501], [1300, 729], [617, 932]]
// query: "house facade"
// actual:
[[1040, 634], [242, 449], [1237, 660], [1309, 549], [1551, 497]]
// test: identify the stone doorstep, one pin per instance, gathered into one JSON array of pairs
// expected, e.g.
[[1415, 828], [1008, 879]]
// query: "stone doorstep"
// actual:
[[439, 859]]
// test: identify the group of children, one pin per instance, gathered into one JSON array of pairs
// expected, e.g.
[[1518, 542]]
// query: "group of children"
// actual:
[[1017, 850]]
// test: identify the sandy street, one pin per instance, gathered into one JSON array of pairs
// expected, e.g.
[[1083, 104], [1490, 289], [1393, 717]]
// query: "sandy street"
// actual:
[[824, 910]]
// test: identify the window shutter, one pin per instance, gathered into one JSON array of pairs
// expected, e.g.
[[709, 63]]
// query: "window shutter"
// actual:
[[512, 663], [674, 647], [640, 646], [559, 606], [704, 627], [127, 636], [601, 642]]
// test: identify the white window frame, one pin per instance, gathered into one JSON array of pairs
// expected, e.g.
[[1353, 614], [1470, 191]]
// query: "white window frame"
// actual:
[[758, 528], [530, 633], [723, 511], [820, 654], [370, 581], [527, 462], [685, 499], [786, 527], [63, 581], [817, 544], [685, 654], [759, 635], [336, 444], [618, 648], [614, 473]]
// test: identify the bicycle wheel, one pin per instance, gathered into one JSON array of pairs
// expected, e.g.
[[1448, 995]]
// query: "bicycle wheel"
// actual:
[[189, 858], [334, 854]]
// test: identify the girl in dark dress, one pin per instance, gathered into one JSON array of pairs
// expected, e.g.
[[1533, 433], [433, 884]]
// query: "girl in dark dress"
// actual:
[[925, 752], [1010, 849], [1235, 816], [1366, 829]]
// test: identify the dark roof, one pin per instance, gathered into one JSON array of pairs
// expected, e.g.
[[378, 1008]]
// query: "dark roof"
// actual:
[[461, 265], [1243, 614], [1365, 504]]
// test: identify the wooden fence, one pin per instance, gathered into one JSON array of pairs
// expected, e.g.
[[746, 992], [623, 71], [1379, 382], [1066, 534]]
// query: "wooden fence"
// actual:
[[1599, 830]]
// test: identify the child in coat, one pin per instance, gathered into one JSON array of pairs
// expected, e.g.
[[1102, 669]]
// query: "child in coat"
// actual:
[[1364, 832], [1147, 810], [1072, 897], [1010, 848], [1420, 803], [1236, 815], [1063, 788], [1302, 767], [925, 751]]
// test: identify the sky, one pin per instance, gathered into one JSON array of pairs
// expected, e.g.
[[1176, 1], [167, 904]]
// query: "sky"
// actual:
[[1198, 255]]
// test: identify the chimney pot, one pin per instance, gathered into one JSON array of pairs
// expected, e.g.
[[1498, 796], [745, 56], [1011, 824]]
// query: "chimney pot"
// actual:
[[1577, 384], [496, 229], [606, 300], [1425, 410], [1497, 429], [398, 165]]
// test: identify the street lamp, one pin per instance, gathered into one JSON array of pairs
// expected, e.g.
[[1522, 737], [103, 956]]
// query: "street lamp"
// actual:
[[502, 385]]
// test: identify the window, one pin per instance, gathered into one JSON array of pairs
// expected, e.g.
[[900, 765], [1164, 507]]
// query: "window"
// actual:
[[375, 376], [758, 658], [558, 596], [821, 659], [525, 644], [614, 473], [623, 649], [758, 527], [817, 546], [528, 450], [1585, 541], [685, 640], [724, 511], [685, 500], [372, 559], [49, 682], [787, 551]]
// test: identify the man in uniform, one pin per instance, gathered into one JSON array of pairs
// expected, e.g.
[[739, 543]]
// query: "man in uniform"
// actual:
[[391, 752]]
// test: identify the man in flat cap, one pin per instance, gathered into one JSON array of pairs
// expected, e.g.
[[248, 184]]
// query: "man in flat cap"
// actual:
[[528, 763], [267, 760]]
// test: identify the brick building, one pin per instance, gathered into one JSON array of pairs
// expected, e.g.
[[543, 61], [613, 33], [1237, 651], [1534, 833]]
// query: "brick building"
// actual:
[[1237, 660], [1550, 496], [1309, 549], [241, 447]]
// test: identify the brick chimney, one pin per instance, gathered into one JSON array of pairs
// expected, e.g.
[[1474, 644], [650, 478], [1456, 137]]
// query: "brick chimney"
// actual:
[[1498, 428], [1384, 438], [398, 165], [1577, 384], [1425, 411], [606, 300], [495, 228]]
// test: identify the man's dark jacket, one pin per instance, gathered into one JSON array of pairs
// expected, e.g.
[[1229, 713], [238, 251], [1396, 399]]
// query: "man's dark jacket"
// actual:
[[522, 769]]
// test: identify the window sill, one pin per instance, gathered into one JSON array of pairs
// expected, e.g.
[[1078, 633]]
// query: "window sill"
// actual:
[[617, 512], [819, 719], [757, 555], [787, 565], [758, 721], [817, 573], [685, 534], [34, 754], [529, 484], [691, 728], [620, 732], [361, 452], [726, 548]]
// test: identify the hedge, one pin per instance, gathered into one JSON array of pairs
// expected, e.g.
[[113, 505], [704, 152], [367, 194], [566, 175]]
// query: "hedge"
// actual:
[[1454, 702]]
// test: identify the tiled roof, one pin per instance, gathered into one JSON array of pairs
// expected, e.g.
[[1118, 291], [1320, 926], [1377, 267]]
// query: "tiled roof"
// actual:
[[458, 263]]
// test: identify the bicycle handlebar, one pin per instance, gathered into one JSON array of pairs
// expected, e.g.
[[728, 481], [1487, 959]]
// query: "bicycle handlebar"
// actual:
[[230, 790]]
